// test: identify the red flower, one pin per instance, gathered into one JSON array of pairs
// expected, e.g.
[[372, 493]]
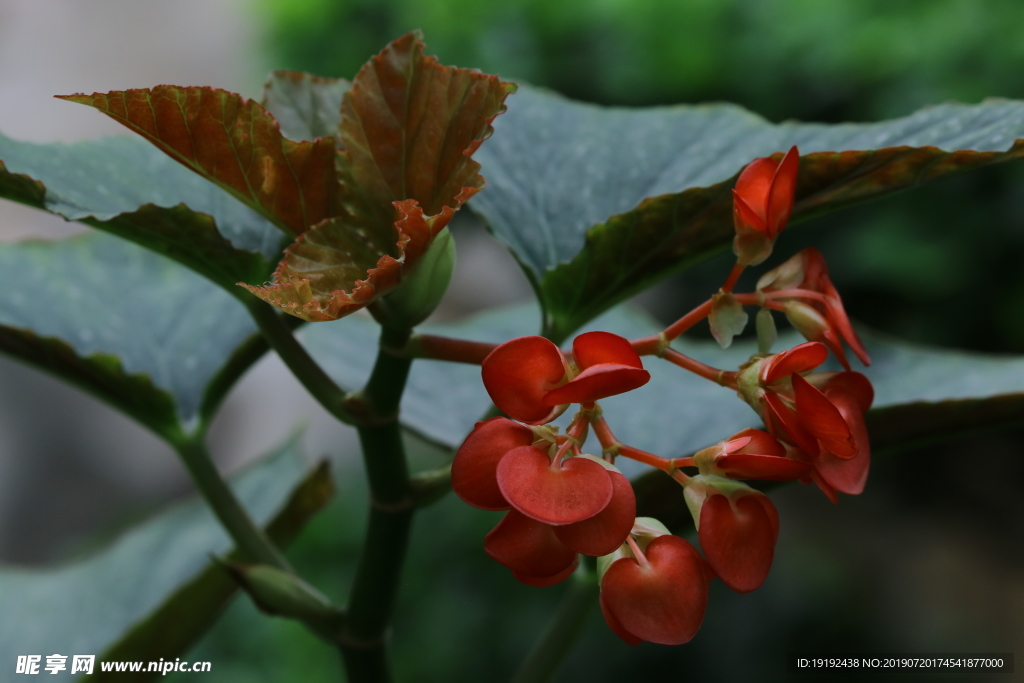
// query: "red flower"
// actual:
[[750, 454], [530, 549], [822, 318], [528, 378], [822, 414], [542, 554], [737, 527], [658, 596], [762, 203]]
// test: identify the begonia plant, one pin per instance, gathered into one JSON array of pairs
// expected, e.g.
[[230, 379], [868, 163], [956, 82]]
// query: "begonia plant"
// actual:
[[316, 224]]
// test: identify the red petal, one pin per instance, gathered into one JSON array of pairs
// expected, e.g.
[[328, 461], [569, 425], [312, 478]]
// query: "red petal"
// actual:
[[822, 419], [852, 384], [739, 539], [847, 475], [758, 442], [663, 602], [576, 490], [597, 382], [744, 217], [608, 529], [519, 372], [614, 624], [544, 581], [527, 546], [754, 184], [765, 467], [782, 192], [786, 419], [818, 279], [473, 469], [593, 348], [800, 358]]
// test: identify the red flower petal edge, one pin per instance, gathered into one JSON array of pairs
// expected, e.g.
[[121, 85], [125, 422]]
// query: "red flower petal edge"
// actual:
[[473, 469], [518, 374], [608, 529]]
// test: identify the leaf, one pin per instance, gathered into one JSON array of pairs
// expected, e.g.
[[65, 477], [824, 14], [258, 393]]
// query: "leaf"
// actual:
[[597, 203], [306, 106], [158, 341], [408, 128], [920, 392], [191, 610], [235, 143], [124, 186], [153, 591]]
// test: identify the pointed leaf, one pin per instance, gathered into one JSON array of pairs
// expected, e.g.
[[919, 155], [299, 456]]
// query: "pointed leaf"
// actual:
[[235, 143], [152, 592], [305, 106], [408, 129], [597, 203], [126, 187], [158, 341]]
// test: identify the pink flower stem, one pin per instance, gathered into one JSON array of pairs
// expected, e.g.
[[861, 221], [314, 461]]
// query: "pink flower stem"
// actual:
[[645, 457], [723, 377], [609, 444], [734, 275], [447, 349], [797, 293], [687, 321], [639, 554], [575, 434]]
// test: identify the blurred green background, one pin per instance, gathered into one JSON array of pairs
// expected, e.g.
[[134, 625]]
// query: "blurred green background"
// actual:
[[930, 558]]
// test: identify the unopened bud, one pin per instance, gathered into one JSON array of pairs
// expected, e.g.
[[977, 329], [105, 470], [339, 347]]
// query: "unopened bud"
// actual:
[[278, 592], [419, 294]]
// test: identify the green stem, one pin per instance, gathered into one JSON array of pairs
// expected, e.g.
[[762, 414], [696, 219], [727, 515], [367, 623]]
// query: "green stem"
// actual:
[[317, 382], [392, 504], [554, 644], [249, 538]]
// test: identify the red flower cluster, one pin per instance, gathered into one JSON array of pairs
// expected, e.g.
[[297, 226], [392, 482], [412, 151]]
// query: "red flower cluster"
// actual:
[[563, 503], [560, 501]]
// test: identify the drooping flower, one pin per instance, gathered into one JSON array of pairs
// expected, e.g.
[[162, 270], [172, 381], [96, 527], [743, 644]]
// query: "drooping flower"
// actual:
[[659, 594], [762, 203], [749, 454], [737, 527], [820, 318], [528, 378], [821, 415]]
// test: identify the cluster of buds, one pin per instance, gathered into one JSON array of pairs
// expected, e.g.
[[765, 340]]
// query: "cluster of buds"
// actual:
[[564, 503]]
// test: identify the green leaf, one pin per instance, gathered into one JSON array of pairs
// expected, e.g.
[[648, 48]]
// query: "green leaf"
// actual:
[[920, 392], [408, 128], [306, 106], [596, 203], [158, 341], [153, 591], [126, 187], [235, 143]]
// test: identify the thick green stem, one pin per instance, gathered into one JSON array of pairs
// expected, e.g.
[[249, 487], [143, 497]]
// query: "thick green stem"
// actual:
[[554, 644], [392, 504], [317, 382], [249, 538]]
